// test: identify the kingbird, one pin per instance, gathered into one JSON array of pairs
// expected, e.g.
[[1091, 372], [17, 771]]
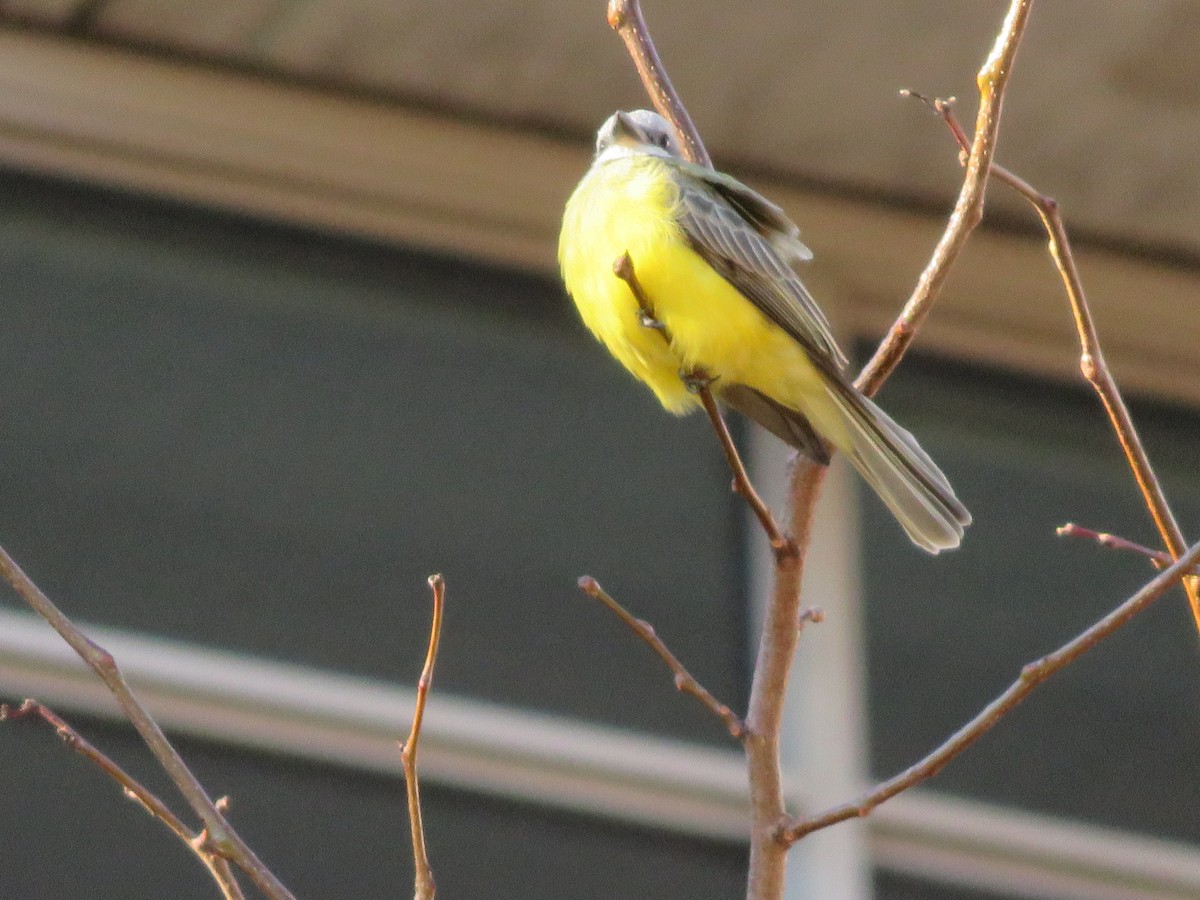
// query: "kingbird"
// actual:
[[714, 263]]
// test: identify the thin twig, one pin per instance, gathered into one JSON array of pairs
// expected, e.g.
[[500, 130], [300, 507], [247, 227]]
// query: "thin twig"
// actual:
[[623, 269], [625, 18], [1160, 558], [1031, 676], [968, 210], [781, 544], [217, 866], [685, 682], [1091, 360], [221, 837], [423, 885]]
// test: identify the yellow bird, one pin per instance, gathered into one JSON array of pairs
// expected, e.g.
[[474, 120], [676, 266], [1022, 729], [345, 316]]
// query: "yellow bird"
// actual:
[[714, 261]]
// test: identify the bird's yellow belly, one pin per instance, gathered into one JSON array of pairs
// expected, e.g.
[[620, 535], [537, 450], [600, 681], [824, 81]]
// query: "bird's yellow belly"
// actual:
[[627, 206], [714, 327], [614, 211]]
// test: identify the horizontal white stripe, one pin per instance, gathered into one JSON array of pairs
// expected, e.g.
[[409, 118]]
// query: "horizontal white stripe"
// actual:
[[568, 764], [357, 722], [1028, 855]]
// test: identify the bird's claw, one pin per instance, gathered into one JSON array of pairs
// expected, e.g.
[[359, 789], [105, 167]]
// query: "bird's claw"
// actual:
[[697, 381], [648, 321]]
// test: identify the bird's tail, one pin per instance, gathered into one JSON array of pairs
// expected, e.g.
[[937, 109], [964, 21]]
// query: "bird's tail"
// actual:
[[900, 472]]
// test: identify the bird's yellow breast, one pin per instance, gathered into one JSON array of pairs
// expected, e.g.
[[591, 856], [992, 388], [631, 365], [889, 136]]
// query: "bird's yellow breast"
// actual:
[[629, 205]]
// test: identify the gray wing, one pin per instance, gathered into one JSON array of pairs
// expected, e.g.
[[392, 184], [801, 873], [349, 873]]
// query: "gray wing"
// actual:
[[768, 219], [750, 241], [786, 424]]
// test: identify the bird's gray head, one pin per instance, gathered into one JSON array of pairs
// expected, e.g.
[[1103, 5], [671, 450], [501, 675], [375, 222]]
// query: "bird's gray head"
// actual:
[[640, 131]]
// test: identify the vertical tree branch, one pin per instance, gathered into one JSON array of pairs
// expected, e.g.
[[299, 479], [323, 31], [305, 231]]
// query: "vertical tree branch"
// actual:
[[764, 717], [777, 647], [423, 884], [220, 836]]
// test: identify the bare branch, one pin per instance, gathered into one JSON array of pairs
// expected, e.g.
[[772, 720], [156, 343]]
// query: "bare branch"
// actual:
[[968, 210], [217, 866], [1031, 676], [685, 682], [1091, 360], [781, 544], [1160, 559], [222, 839], [625, 18], [768, 689], [423, 884]]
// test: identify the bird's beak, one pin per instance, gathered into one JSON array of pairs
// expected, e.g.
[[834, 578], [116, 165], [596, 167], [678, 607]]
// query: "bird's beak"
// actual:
[[627, 132]]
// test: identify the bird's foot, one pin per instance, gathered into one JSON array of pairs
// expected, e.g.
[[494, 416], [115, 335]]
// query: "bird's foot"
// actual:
[[648, 321], [697, 380]]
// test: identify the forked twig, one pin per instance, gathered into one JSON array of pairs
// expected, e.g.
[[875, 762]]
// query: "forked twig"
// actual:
[[217, 865], [1031, 676], [685, 682], [423, 884], [623, 269], [1091, 360], [220, 835], [1160, 558]]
